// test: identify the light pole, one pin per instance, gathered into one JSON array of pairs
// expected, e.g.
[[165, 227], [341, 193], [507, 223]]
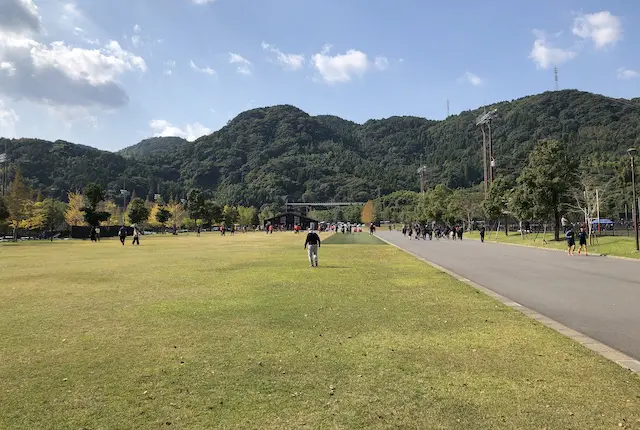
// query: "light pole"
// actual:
[[632, 153]]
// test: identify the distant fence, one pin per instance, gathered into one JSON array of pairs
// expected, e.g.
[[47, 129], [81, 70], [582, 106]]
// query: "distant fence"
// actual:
[[83, 232]]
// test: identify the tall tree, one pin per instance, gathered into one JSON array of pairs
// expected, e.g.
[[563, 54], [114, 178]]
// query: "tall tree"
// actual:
[[73, 215], [230, 214], [19, 203], [177, 214], [496, 205], [94, 194], [368, 213], [548, 179], [162, 217], [53, 213], [138, 212], [212, 212], [195, 204], [247, 216]]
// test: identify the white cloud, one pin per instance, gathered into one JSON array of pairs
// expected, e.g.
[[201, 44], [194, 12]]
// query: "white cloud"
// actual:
[[207, 70], [170, 65], [8, 68], [624, 73], [202, 1], [8, 120], [341, 67], [288, 61], [244, 65], [545, 55], [163, 128], [471, 78], [136, 40], [58, 74], [137, 28], [381, 63], [602, 28], [17, 16]]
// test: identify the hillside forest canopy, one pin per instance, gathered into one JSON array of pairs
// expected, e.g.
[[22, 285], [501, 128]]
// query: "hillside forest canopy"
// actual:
[[267, 156]]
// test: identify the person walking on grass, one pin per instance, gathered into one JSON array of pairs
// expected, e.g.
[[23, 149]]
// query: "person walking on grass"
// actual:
[[122, 234], [582, 236], [570, 235], [98, 233], [198, 230], [312, 244], [136, 235]]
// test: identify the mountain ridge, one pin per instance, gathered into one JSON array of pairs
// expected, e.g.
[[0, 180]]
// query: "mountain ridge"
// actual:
[[273, 153]]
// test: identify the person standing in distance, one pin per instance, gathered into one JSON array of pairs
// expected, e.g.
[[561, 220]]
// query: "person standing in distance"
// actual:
[[122, 234], [136, 235], [313, 243]]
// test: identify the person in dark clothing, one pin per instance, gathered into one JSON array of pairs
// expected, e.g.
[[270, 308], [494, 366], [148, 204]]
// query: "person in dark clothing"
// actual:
[[312, 243], [582, 236], [122, 234], [92, 234], [571, 240], [198, 231], [482, 230], [460, 231], [410, 232]]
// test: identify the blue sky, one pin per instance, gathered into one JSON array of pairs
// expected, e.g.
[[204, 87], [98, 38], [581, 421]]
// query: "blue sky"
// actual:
[[108, 74]]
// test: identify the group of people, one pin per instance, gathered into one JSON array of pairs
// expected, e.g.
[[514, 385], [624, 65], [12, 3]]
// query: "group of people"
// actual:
[[424, 231], [570, 235]]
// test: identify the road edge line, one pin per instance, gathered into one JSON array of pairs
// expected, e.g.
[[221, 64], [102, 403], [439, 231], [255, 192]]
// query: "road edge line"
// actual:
[[600, 348]]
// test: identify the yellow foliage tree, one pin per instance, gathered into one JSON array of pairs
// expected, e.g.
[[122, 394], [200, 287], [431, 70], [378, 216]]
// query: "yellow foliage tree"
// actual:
[[35, 216], [153, 220], [368, 214], [111, 207], [73, 215], [178, 214]]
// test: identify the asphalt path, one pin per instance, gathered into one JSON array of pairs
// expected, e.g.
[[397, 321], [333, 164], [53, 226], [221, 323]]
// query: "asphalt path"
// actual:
[[597, 296]]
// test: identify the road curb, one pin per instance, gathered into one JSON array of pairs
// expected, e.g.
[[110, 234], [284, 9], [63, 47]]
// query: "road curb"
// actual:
[[605, 351]]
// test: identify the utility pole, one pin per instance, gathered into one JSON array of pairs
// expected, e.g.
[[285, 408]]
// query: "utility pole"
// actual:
[[487, 147], [421, 171], [448, 111], [555, 77], [4, 158], [632, 153]]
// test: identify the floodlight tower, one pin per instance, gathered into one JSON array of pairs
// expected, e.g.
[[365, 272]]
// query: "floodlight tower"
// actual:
[[487, 146], [421, 171]]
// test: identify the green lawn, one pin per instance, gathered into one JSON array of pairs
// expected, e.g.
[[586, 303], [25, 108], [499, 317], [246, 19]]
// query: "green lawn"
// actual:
[[621, 246], [238, 332], [353, 239]]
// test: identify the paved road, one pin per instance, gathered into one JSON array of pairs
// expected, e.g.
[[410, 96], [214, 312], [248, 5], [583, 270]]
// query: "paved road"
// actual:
[[597, 296]]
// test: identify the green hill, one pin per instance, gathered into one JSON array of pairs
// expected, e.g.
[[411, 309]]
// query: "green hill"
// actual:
[[273, 153]]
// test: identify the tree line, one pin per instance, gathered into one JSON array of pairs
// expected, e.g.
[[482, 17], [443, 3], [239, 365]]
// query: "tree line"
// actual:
[[550, 186], [25, 208]]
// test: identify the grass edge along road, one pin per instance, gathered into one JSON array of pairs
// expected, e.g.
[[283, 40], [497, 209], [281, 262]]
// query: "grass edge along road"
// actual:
[[238, 332], [615, 246]]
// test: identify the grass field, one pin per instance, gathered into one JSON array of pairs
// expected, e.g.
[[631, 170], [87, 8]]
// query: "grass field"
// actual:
[[620, 246], [353, 239], [238, 332]]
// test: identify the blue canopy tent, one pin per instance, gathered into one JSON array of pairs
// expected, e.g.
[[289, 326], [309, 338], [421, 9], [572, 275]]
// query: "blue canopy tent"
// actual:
[[603, 221]]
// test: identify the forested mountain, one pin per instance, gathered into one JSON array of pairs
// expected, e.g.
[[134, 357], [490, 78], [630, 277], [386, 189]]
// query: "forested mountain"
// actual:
[[153, 147], [270, 154]]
